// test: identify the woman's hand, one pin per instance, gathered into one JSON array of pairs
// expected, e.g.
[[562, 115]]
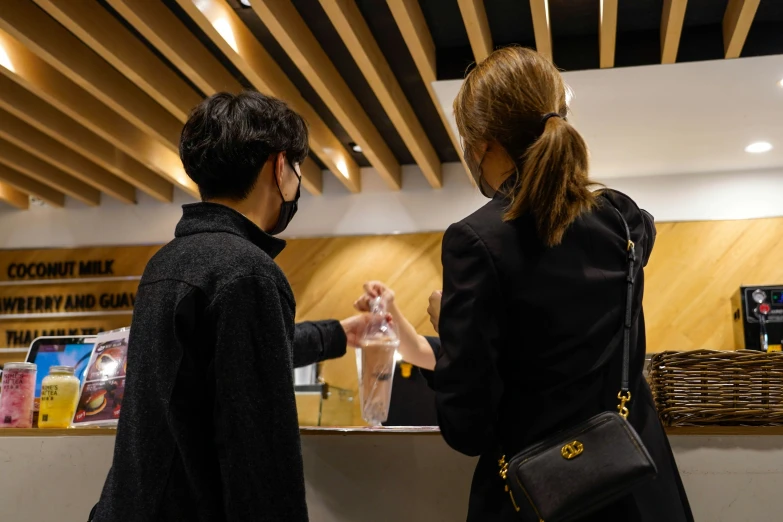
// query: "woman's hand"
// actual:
[[434, 308], [372, 290]]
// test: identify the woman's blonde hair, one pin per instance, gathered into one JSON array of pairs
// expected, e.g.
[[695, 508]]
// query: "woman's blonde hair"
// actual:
[[505, 100]]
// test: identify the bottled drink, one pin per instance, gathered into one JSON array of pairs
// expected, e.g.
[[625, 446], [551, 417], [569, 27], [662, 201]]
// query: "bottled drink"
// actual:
[[17, 399], [59, 396], [375, 361]]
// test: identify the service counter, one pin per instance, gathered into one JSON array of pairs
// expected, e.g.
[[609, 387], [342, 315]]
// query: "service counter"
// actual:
[[388, 474]]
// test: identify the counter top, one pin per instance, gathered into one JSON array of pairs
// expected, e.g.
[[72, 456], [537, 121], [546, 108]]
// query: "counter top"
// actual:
[[403, 430]]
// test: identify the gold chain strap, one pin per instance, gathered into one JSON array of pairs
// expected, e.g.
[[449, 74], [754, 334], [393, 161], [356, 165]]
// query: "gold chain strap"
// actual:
[[503, 474]]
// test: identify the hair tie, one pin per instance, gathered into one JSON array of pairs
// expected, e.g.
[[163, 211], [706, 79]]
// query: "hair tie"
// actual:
[[550, 115]]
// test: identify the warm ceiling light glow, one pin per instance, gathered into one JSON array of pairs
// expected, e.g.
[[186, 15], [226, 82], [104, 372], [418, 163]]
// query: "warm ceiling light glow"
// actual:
[[342, 167], [222, 26], [546, 10], [780, 83], [202, 5], [758, 147], [5, 60]]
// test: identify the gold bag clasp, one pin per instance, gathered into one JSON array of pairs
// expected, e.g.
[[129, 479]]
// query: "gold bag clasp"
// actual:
[[572, 450]]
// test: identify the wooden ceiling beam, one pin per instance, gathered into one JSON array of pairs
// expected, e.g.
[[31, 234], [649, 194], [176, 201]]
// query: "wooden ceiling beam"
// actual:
[[607, 33], [173, 39], [672, 20], [413, 27], [474, 15], [736, 25], [34, 111], [539, 10], [35, 75], [224, 27], [356, 34], [40, 33], [55, 153], [294, 36], [105, 35], [14, 197], [18, 159], [155, 22], [312, 177], [21, 182], [414, 30]]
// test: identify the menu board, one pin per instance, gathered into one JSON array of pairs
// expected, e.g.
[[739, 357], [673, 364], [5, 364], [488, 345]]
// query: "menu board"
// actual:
[[101, 396]]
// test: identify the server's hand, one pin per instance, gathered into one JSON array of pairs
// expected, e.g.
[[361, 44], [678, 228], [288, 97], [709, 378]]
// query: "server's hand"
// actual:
[[373, 289], [434, 308]]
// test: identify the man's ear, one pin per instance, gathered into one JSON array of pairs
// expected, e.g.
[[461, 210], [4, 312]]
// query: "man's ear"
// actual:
[[279, 167]]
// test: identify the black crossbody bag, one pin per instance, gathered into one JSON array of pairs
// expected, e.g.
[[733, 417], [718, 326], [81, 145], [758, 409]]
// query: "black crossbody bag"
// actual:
[[579, 470]]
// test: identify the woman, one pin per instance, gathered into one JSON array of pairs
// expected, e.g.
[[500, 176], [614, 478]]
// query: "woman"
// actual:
[[533, 292]]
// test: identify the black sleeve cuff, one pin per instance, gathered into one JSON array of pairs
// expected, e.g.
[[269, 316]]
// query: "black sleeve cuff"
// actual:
[[317, 341], [333, 339]]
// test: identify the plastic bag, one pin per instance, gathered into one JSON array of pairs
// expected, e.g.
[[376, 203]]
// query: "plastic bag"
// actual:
[[375, 361]]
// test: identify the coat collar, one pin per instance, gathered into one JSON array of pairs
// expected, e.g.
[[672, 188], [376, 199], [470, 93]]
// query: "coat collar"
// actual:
[[198, 218]]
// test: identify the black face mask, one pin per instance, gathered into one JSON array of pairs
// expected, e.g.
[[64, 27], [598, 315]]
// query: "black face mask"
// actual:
[[287, 208], [475, 170]]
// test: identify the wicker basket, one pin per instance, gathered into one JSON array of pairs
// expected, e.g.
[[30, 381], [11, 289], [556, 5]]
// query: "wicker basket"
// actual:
[[743, 388]]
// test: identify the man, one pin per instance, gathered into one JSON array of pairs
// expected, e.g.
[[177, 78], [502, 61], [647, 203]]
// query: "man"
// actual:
[[209, 428]]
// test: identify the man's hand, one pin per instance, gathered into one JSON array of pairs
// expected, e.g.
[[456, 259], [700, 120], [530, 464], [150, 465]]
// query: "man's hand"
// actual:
[[434, 308], [356, 325]]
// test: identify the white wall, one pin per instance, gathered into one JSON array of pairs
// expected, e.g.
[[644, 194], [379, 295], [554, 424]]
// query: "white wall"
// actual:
[[377, 210]]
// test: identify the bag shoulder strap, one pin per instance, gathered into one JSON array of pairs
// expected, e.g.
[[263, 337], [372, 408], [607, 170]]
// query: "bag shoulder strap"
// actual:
[[625, 395]]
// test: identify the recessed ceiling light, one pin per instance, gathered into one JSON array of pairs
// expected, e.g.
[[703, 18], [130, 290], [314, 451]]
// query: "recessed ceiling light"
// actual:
[[246, 3], [356, 148], [758, 147]]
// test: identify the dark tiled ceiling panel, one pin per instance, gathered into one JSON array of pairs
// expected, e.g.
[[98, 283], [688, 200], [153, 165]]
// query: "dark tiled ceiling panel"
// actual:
[[766, 32], [254, 23], [149, 46], [574, 33], [319, 23], [510, 22], [450, 37], [387, 34]]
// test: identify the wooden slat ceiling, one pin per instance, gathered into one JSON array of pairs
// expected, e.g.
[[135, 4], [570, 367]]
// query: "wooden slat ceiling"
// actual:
[[93, 93]]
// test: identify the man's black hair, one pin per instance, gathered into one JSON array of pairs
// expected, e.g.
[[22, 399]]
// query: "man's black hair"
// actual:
[[228, 138]]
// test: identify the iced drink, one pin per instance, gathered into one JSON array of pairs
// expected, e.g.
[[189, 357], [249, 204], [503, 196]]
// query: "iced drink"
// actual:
[[375, 361], [16, 401]]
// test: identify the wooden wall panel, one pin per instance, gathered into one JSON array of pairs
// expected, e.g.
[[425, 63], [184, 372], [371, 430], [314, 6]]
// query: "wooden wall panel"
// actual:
[[694, 270], [327, 276]]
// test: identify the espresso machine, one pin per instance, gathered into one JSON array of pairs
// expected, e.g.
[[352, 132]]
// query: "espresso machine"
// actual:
[[758, 318]]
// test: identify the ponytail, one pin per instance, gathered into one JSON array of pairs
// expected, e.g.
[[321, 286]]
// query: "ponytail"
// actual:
[[506, 100], [553, 184]]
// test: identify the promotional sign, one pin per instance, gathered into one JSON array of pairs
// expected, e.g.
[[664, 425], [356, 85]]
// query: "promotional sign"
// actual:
[[59, 292], [101, 397]]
